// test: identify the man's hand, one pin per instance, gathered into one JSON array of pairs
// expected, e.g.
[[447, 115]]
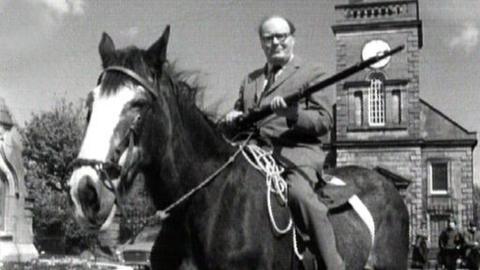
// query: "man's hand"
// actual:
[[280, 108], [231, 116]]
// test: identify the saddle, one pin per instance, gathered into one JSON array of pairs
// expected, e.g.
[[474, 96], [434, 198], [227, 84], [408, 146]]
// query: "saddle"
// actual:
[[333, 191]]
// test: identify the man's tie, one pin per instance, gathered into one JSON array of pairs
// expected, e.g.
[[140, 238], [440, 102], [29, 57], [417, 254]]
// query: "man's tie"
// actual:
[[270, 81], [271, 77]]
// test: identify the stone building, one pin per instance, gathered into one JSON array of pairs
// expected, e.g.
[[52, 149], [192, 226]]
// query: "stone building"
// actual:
[[16, 234], [381, 121]]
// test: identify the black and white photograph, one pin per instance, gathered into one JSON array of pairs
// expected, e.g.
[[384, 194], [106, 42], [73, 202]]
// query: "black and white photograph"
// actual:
[[239, 135]]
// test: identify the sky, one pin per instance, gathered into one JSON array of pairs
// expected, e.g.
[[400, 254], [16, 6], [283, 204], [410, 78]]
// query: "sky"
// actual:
[[49, 48]]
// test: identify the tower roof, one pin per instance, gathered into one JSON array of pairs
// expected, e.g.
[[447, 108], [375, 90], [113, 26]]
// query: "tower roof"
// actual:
[[377, 15], [375, 11]]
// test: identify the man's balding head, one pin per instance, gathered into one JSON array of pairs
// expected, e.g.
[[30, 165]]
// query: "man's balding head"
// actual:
[[276, 17], [276, 37]]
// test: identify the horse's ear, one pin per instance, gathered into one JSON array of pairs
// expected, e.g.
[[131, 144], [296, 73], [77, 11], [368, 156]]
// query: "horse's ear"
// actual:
[[158, 51], [106, 49]]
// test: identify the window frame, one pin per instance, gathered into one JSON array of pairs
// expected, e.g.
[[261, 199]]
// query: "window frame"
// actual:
[[358, 108], [397, 121], [376, 101], [430, 176]]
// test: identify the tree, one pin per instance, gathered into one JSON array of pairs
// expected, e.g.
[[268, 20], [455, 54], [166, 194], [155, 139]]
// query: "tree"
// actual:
[[52, 140]]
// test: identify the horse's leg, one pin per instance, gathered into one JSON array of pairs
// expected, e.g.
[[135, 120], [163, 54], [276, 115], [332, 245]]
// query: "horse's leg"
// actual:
[[169, 248]]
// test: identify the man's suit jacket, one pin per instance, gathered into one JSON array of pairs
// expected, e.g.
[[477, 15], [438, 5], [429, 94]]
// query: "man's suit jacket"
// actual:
[[294, 143]]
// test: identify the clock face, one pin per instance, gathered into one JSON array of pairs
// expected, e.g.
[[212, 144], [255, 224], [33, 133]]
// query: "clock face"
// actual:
[[374, 47]]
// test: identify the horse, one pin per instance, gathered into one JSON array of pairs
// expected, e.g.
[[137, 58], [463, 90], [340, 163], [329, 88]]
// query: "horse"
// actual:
[[143, 121]]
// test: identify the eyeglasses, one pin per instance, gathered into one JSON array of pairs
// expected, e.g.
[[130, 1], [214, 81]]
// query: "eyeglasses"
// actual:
[[281, 37]]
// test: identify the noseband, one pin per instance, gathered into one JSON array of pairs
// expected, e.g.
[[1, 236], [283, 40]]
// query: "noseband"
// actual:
[[110, 170]]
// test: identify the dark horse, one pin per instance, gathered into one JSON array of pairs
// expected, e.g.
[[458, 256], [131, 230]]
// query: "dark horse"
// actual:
[[144, 122]]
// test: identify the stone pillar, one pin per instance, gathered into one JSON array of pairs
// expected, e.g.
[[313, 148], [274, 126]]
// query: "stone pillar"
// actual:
[[16, 233]]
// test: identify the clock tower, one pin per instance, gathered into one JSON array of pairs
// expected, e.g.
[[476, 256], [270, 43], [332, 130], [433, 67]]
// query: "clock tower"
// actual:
[[378, 110], [382, 123], [382, 102]]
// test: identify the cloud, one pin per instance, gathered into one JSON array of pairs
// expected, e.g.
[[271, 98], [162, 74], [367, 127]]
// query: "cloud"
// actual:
[[64, 7], [28, 25], [131, 32], [467, 39]]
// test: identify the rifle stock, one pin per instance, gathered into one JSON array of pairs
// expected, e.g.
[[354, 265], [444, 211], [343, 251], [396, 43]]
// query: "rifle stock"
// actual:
[[258, 114]]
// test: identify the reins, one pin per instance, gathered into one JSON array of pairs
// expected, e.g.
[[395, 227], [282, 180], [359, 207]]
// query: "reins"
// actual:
[[262, 162], [205, 182], [165, 213], [103, 167]]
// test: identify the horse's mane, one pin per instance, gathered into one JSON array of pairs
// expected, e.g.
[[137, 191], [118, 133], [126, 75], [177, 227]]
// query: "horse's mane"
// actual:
[[188, 90], [187, 86]]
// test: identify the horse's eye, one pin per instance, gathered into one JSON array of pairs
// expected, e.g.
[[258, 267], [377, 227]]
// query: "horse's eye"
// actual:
[[140, 103], [113, 172]]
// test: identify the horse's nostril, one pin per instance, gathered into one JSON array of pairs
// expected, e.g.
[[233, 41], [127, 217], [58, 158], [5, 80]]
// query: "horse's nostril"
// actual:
[[88, 194]]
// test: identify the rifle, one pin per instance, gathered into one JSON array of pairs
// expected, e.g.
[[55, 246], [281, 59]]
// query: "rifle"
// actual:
[[254, 116]]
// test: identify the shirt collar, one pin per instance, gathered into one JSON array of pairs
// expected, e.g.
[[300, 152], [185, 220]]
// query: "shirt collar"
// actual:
[[270, 66]]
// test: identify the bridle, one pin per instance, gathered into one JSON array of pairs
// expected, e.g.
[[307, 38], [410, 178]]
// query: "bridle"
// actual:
[[103, 168], [109, 170]]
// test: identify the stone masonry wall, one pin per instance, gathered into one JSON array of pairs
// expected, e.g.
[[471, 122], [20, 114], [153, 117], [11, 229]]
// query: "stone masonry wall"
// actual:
[[460, 178], [402, 66]]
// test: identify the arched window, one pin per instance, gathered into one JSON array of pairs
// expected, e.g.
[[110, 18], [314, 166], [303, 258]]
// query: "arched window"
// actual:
[[376, 100]]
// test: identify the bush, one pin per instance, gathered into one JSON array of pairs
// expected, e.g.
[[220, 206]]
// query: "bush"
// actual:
[[52, 140]]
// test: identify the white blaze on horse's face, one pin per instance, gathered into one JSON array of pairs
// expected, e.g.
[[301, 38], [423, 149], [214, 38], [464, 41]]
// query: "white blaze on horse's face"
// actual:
[[94, 203], [106, 112]]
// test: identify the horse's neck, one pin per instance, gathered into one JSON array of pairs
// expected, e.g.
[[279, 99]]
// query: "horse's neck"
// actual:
[[195, 149]]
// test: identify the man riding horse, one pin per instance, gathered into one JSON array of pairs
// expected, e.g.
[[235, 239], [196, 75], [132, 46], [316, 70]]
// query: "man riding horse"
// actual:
[[145, 122], [294, 131]]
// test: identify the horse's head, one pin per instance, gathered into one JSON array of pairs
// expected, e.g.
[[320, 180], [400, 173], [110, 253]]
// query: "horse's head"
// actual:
[[116, 145]]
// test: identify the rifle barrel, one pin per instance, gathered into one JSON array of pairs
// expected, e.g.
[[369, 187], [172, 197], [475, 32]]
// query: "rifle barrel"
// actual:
[[264, 111]]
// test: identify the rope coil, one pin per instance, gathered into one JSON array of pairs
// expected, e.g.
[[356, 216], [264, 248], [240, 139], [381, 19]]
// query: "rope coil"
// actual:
[[263, 161]]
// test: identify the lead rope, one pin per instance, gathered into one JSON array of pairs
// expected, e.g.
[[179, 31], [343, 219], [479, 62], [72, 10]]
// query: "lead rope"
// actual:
[[264, 162], [161, 215], [202, 184]]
